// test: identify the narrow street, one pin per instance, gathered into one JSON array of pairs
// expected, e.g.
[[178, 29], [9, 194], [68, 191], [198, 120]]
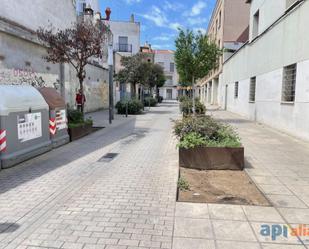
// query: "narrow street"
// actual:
[[70, 199], [73, 198]]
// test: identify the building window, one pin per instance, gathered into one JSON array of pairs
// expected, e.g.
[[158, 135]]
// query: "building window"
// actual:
[[172, 67], [289, 83], [123, 45], [216, 25], [236, 90], [219, 20], [256, 23], [252, 89]]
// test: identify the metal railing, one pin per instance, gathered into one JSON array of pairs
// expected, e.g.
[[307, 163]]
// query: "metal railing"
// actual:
[[120, 47]]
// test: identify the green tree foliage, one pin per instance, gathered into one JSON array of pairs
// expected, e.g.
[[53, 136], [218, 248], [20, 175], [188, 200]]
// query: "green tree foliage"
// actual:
[[136, 70], [156, 77], [196, 55], [132, 72]]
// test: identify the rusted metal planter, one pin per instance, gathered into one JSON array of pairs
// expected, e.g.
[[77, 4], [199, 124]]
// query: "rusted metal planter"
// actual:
[[79, 132], [212, 158]]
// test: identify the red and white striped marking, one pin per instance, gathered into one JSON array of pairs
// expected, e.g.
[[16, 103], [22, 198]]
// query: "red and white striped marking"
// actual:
[[52, 126], [2, 140]]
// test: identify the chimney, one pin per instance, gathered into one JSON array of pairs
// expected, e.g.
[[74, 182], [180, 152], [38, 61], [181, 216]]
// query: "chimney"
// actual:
[[108, 12], [88, 11], [132, 18]]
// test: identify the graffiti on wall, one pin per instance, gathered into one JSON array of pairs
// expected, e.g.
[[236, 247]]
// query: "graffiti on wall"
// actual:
[[27, 76]]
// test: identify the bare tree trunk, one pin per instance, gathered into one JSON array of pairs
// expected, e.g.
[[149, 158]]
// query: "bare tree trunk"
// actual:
[[81, 87]]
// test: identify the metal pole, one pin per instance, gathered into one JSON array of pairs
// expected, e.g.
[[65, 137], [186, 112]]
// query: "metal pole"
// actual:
[[61, 80], [110, 82]]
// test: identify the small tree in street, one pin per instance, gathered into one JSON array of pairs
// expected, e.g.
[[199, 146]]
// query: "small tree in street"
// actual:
[[133, 71], [75, 46], [157, 78], [195, 56], [137, 70]]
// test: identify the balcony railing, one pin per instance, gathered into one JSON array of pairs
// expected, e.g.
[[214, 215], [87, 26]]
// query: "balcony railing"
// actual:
[[123, 47]]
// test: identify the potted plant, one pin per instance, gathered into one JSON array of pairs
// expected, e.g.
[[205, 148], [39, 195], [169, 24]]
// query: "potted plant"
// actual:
[[208, 145], [77, 125], [186, 106]]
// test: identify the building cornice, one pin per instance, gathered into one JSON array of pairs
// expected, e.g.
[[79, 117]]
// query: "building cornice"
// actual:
[[15, 29]]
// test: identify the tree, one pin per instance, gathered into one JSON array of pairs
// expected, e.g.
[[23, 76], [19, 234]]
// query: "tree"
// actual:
[[156, 78], [134, 71], [196, 55], [137, 70], [75, 45]]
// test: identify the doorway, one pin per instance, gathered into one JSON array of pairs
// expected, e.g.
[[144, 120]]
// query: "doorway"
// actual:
[[169, 94]]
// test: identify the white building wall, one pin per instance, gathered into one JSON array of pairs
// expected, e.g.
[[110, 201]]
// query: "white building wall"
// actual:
[[163, 92], [167, 59], [129, 29], [282, 45], [21, 56], [39, 13]]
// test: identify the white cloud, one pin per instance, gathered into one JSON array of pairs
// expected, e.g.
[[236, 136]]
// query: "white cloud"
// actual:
[[164, 37], [202, 30], [162, 46], [196, 9], [175, 26], [132, 1], [197, 20], [159, 18], [174, 6]]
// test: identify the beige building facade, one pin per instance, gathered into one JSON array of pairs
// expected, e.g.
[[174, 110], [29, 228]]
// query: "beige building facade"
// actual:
[[228, 28]]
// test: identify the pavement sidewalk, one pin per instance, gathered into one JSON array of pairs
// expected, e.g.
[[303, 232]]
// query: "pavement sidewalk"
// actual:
[[278, 164], [72, 197]]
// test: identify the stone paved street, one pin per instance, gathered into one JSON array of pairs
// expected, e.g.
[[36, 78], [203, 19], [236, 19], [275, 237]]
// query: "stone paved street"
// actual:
[[66, 199], [278, 164], [69, 198]]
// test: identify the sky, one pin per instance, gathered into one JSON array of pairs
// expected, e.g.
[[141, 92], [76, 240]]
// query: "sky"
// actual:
[[160, 19]]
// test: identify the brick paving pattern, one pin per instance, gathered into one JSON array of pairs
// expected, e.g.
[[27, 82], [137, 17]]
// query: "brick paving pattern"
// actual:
[[278, 164], [66, 199]]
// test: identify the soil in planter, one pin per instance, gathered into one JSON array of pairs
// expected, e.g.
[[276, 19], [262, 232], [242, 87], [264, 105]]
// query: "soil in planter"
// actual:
[[220, 186]]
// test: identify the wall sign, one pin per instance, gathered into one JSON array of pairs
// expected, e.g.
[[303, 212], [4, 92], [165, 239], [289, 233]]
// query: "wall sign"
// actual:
[[29, 126]]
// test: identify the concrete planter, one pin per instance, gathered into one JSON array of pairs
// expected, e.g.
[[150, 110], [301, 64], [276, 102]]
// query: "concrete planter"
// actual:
[[79, 132], [212, 158]]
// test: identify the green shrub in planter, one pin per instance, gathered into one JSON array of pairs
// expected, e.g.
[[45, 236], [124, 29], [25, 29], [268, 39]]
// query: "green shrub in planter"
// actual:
[[134, 107], [215, 133], [183, 184], [149, 100], [186, 106], [76, 119], [75, 116], [192, 140], [183, 98], [200, 108]]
